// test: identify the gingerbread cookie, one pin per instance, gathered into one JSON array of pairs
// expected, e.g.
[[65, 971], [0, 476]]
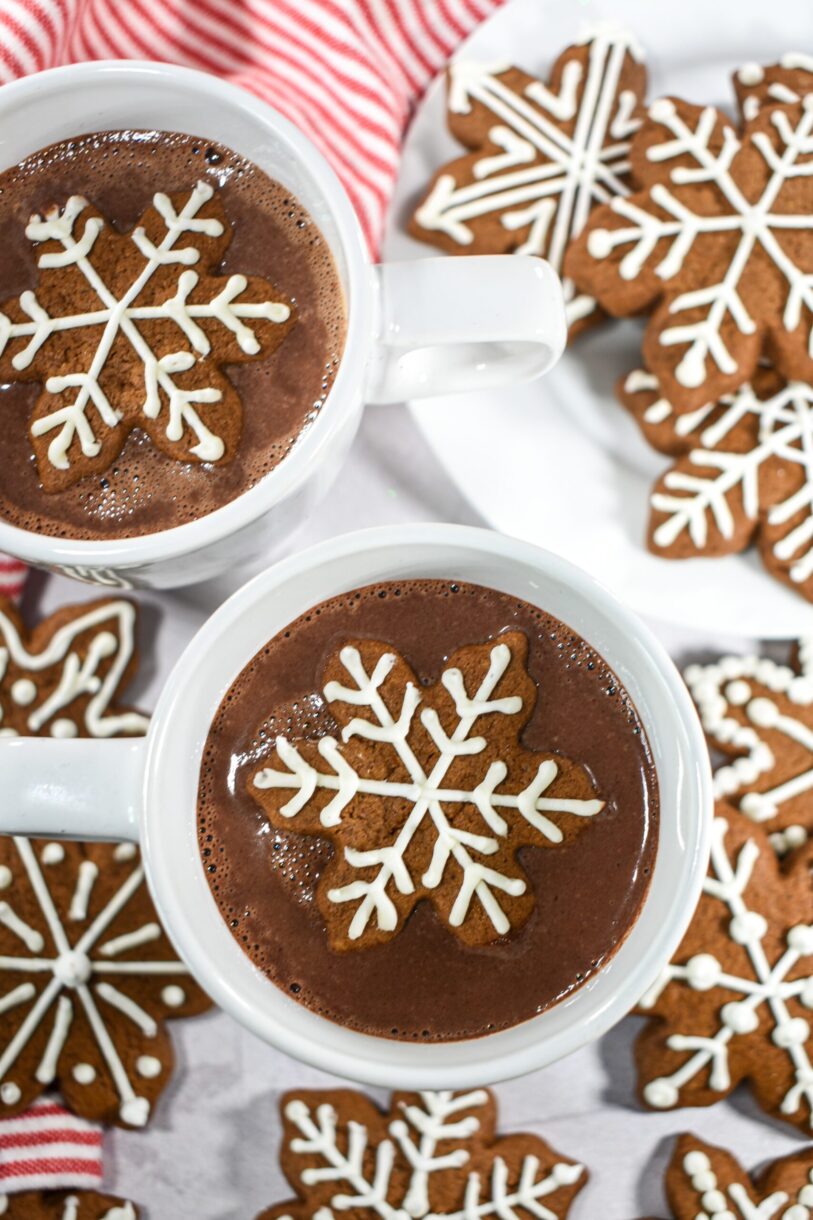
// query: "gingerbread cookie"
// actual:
[[717, 241], [704, 1182], [542, 156], [759, 714], [62, 1205], [132, 331], [418, 807], [87, 979], [735, 1004], [742, 473], [781, 84], [63, 678], [431, 1154]]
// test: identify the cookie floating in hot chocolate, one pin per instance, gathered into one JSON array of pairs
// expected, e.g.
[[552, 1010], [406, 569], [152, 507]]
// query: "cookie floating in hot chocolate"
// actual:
[[459, 795], [428, 810], [171, 323]]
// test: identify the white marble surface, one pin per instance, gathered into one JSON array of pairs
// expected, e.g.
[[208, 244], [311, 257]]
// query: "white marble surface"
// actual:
[[211, 1152]]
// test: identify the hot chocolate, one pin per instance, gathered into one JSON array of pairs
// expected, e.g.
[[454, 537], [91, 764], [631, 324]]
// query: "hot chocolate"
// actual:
[[171, 321], [428, 810]]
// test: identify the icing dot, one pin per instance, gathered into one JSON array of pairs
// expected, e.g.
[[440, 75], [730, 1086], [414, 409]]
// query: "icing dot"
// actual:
[[795, 836], [758, 807], [750, 74], [800, 938], [599, 243], [739, 1017], [738, 692], [713, 1201], [83, 1073], [8, 732], [747, 927], [791, 1033], [63, 728], [703, 971], [148, 1066], [704, 1181], [661, 109], [764, 713], [806, 1196], [10, 1093], [135, 1111], [796, 1212], [125, 851], [106, 644], [661, 1094], [23, 692], [5, 877], [52, 853], [173, 996], [72, 968]]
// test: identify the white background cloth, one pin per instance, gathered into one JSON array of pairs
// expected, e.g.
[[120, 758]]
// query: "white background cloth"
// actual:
[[211, 1151]]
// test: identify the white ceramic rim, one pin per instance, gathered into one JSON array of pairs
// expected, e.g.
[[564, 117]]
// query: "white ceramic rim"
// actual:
[[175, 746], [311, 448]]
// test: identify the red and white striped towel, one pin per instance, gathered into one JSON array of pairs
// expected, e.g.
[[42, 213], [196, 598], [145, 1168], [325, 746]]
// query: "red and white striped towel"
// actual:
[[48, 1148], [348, 73]]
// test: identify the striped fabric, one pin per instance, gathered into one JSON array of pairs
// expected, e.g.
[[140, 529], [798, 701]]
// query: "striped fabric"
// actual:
[[348, 73], [12, 577], [47, 1148]]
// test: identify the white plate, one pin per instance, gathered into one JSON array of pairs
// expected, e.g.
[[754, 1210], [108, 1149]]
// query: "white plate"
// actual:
[[559, 462]]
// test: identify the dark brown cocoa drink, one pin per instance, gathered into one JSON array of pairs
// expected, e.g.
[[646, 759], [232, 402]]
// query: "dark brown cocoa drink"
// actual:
[[268, 237], [428, 810]]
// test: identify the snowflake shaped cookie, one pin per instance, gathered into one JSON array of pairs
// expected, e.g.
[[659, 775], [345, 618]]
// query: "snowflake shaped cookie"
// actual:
[[760, 715], [704, 1182], [427, 794], [59, 1205], [63, 678], [743, 471], [87, 979], [736, 1002], [432, 1154], [543, 155], [132, 331], [718, 241]]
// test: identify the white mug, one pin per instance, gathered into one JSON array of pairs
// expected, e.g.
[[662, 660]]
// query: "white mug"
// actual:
[[428, 327], [146, 789]]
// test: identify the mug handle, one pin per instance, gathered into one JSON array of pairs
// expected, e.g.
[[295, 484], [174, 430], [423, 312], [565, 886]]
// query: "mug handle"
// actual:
[[476, 322], [75, 789]]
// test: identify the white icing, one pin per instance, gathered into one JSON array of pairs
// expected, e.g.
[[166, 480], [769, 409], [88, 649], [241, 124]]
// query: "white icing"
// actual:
[[751, 74], [23, 692], [111, 629], [85, 881], [5, 877], [425, 792], [52, 853], [78, 975], [125, 851], [117, 317], [148, 1066], [10, 1093], [63, 728], [797, 60], [693, 502], [757, 226], [767, 988], [736, 722], [173, 996], [543, 179], [363, 1174]]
